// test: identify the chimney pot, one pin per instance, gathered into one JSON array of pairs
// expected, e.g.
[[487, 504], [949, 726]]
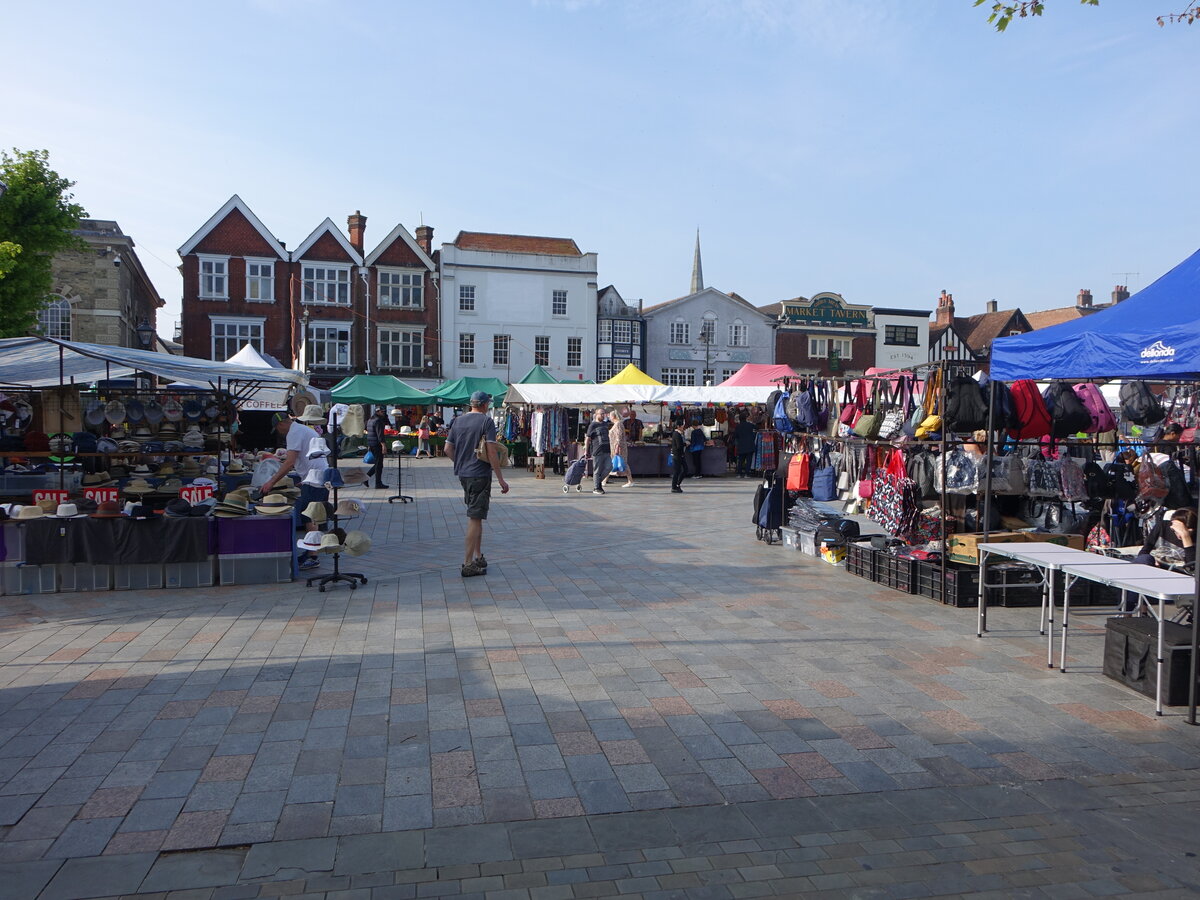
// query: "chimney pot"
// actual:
[[357, 224], [1120, 292], [993, 306], [1084, 299], [425, 238], [945, 309]]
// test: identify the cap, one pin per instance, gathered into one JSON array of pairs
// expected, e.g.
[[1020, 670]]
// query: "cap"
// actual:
[[280, 417], [480, 397]]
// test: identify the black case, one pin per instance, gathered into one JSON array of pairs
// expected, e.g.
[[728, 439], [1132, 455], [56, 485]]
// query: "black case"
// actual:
[[1129, 656]]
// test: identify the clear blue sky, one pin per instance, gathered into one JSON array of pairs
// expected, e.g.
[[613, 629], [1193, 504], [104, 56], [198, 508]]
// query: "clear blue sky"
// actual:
[[883, 149]]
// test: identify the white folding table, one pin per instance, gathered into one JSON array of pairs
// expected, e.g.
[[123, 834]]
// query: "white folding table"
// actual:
[[1147, 583]]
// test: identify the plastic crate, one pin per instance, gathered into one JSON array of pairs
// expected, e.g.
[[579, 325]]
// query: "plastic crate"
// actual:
[[14, 542], [137, 577], [791, 538], [24, 579], [962, 583], [860, 559], [808, 543], [896, 572], [189, 575], [256, 568], [84, 577]]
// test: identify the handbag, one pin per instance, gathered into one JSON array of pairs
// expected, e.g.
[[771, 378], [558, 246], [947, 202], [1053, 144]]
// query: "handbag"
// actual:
[[1042, 478], [851, 406], [961, 473], [866, 484], [868, 423], [824, 487], [893, 419], [798, 472], [481, 453]]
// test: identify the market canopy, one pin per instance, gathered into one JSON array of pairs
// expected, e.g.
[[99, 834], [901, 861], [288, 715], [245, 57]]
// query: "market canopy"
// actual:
[[631, 374], [758, 375], [34, 362], [379, 389], [1153, 334], [574, 394], [537, 375], [459, 391]]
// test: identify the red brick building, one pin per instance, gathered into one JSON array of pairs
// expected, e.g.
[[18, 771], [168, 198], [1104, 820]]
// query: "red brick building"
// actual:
[[823, 336], [327, 307]]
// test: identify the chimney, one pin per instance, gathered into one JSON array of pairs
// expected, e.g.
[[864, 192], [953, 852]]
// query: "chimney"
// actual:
[[357, 224], [1120, 292], [1084, 299], [425, 238], [945, 309], [993, 306]]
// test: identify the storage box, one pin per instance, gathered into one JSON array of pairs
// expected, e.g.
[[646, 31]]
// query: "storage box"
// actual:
[[808, 543], [964, 548], [1130, 645], [137, 576], [896, 572], [860, 559], [14, 542], [962, 583], [256, 568], [189, 575], [20, 578], [791, 538], [84, 577]]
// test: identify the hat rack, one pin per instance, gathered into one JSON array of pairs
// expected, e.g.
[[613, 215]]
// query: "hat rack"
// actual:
[[351, 578]]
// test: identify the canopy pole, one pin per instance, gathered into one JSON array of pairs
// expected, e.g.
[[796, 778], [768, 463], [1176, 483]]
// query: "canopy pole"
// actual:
[[1191, 716], [989, 459], [62, 475]]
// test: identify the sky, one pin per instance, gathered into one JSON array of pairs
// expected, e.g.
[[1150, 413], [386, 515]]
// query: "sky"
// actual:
[[883, 149]]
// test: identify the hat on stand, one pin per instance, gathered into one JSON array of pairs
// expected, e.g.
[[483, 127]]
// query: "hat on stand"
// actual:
[[310, 542], [211, 409], [330, 543], [316, 512], [109, 509], [273, 505], [357, 543], [312, 415], [166, 468], [139, 486], [203, 482], [288, 490], [349, 509]]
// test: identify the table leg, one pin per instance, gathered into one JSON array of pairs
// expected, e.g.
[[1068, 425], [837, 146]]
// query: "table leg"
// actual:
[[1159, 672], [982, 624], [1049, 588], [1062, 657]]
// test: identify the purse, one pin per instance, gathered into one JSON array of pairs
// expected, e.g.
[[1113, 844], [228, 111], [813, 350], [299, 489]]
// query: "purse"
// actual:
[[893, 419], [869, 422], [866, 484], [481, 453], [851, 405]]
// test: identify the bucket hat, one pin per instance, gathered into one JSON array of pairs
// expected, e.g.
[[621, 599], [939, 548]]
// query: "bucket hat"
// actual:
[[30, 512], [330, 543], [172, 410], [316, 512], [134, 410], [312, 415], [273, 505], [114, 411], [310, 542], [109, 509], [153, 411], [357, 543], [139, 486], [353, 475], [349, 509]]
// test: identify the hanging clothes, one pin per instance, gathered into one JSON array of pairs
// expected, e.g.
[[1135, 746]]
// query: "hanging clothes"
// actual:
[[767, 447]]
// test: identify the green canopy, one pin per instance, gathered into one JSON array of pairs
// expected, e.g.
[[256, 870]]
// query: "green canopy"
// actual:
[[537, 375], [379, 389], [459, 391]]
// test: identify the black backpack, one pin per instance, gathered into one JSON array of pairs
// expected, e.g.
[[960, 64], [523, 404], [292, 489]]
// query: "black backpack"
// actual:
[[1139, 405], [965, 407], [1122, 483], [1067, 412], [1178, 494], [1098, 483]]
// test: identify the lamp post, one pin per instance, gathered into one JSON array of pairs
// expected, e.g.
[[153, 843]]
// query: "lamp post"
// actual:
[[706, 337], [365, 275], [145, 334]]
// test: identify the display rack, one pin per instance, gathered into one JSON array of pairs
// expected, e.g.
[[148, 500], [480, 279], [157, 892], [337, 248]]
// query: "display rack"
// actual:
[[337, 575]]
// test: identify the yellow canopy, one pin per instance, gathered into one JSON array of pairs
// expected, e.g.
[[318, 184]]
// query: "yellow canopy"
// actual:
[[631, 374]]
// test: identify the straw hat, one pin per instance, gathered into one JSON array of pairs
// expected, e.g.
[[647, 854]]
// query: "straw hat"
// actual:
[[312, 415], [310, 542], [235, 468], [166, 469], [66, 511], [349, 509], [232, 507], [189, 468], [288, 490], [97, 479], [30, 512], [47, 506], [357, 543], [203, 482], [139, 486], [273, 505], [330, 543], [109, 509], [141, 470], [406, 429], [316, 512], [171, 486], [114, 411]]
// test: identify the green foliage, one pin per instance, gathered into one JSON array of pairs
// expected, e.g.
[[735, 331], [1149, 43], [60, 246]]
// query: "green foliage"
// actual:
[[1003, 13], [36, 221]]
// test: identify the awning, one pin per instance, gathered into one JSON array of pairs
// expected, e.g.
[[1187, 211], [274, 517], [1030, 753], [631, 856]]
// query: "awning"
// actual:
[[614, 394], [631, 374], [379, 389], [458, 392]]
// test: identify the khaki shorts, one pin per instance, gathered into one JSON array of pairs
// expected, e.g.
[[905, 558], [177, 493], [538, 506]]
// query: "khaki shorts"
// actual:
[[477, 495]]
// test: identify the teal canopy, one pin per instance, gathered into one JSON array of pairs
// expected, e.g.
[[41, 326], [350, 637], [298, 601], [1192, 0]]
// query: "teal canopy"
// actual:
[[537, 375], [459, 391], [380, 389]]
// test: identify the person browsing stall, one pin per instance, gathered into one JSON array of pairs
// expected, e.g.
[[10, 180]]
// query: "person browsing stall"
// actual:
[[298, 437], [475, 475], [619, 446], [744, 435]]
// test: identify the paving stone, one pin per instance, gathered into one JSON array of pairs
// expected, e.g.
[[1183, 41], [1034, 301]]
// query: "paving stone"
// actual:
[[361, 854], [184, 871], [284, 857], [98, 876]]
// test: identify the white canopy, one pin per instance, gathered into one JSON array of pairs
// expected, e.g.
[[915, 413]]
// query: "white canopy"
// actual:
[[612, 394]]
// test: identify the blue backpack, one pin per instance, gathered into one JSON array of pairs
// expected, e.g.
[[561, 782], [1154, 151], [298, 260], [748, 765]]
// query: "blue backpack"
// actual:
[[782, 422]]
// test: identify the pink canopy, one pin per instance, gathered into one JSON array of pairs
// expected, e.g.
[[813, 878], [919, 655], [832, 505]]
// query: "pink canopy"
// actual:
[[758, 375]]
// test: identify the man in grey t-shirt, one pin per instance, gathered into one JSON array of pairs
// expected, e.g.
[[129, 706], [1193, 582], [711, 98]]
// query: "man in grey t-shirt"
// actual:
[[475, 475]]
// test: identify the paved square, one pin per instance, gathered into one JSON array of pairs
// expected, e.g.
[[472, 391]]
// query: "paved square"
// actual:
[[638, 698]]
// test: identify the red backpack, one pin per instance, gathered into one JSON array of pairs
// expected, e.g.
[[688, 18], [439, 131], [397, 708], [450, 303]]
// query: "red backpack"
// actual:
[[1093, 401], [1030, 410]]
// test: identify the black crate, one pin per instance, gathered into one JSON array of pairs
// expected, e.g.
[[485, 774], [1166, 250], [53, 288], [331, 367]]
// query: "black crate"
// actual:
[[1010, 584], [860, 559], [1020, 585], [962, 583], [1130, 645], [896, 572]]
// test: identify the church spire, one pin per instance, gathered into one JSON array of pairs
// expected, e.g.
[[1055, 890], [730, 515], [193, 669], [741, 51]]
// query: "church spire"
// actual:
[[697, 270]]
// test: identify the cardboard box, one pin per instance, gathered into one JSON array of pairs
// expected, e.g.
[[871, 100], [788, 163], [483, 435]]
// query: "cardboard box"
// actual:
[[964, 547]]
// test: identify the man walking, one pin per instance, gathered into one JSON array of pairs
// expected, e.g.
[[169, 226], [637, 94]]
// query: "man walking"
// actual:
[[744, 435], [377, 445], [597, 445], [678, 457], [475, 475]]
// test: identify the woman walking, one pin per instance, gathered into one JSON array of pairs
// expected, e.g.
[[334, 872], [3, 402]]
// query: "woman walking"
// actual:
[[423, 432], [375, 445], [619, 442]]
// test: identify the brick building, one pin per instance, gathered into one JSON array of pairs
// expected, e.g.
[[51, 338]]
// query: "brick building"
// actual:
[[824, 335], [328, 307]]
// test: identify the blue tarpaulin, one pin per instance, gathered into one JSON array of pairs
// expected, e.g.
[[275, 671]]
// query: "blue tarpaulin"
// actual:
[[1153, 334]]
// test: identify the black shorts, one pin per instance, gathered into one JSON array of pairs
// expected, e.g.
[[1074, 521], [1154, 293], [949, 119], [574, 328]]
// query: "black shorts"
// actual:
[[477, 495]]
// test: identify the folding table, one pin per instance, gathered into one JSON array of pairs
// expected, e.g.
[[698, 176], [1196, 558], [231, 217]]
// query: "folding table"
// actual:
[[1147, 583]]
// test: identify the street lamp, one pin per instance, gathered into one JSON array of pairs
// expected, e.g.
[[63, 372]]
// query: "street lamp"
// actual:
[[145, 334]]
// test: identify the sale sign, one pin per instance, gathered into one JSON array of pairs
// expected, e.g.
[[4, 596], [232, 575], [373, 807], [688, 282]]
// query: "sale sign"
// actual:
[[196, 494], [101, 495], [56, 496]]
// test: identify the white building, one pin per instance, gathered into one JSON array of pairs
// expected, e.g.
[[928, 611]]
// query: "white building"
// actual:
[[901, 337], [509, 301], [620, 334]]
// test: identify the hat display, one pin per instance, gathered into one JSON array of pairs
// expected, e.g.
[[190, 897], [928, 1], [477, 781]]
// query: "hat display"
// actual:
[[349, 509], [234, 506], [177, 509], [30, 512], [357, 543], [330, 543], [312, 415], [172, 410], [134, 411], [114, 411], [316, 512], [273, 505], [97, 479], [152, 411], [311, 541], [139, 486], [109, 509], [66, 511]]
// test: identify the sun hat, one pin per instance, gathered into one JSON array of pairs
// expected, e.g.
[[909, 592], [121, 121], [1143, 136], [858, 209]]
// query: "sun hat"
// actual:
[[189, 468], [134, 411], [406, 429], [109, 509], [86, 505], [143, 433], [47, 506], [192, 409], [203, 482], [312, 415], [288, 490], [66, 511], [141, 470], [232, 507], [95, 414], [235, 468], [114, 411], [348, 509], [316, 512], [30, 512], [106, 445], [153, 411], [172, 410], [139, 486], [311, 541], [118, 470], [330, 543], [357, 543], [171, 486], [273, 505], [480, 398], [165, 469], [177, 509]]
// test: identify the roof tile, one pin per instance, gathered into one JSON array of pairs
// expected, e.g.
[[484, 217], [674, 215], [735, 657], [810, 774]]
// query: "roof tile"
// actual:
[[516, 243]]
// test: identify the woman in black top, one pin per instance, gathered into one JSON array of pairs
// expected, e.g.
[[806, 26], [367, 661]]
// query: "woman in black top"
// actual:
[[1171, 542], [678, 457], [375, 444]]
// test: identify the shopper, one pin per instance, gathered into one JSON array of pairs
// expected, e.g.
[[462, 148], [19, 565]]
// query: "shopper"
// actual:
[[376, 445], [619, 446], [423, 434], [633, 427], [1171, 543], [475, 475], [298, 438], [743, 442], [696, 446], [678, 457], [596, 444]]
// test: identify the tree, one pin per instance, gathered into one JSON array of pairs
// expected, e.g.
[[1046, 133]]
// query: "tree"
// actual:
[[37, 219], [1003, 13]]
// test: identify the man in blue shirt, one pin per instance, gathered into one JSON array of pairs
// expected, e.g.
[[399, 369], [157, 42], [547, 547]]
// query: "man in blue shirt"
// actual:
[[475, 475]]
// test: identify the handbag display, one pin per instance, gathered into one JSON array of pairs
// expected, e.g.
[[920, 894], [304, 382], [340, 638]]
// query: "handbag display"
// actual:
[[893, 419], [869, 422], [962, 473], [1042, 478]]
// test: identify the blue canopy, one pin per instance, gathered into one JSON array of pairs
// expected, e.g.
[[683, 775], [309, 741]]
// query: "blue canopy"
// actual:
[[1153, 334]]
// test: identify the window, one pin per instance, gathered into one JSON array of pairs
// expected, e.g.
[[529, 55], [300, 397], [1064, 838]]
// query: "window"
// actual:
[[708, 377], [214, 281], [574, 353], [843, 349], [260, 280], [708, 331], [500, 350], [466, 298], [680, 333], [726, 374], [679, 377], [558, 305], [466, 349], [904, 335], [622, 331], [401, 289], [330, 346], [739, 335], [230, 335], [401, 348], [606, 368], [54, 319], [818, 348], [327, 285], [605, 331], [541, 351]]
